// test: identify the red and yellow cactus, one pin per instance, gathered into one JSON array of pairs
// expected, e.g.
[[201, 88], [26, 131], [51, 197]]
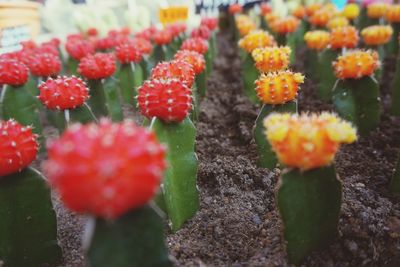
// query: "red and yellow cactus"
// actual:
[[344, 37], [176, 69], [244, 25], [337, 22], [377, 35], [321, 17], [278, 87], [377, 10], [265, 9], [317, 40], [270, 18], [285, 25], [300, 12], [307, 141], [311, 9], [195, 59], [256, 39], [392, 14], [356, 64], [351, 11], [235, 9], [269, 59]]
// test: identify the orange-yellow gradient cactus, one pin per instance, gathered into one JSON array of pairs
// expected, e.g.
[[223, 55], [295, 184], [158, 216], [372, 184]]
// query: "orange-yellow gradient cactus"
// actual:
[[377, 10], [255, 39], [351, 11], [317, 40], [311, 9], [278, 87], [299, 12], [271, 18], [393, 14], [377, 35], [269, 59], [356, 64], [344, 37], [244, 24], [337, 22], [320, 17], [307, 141], [285, 25]]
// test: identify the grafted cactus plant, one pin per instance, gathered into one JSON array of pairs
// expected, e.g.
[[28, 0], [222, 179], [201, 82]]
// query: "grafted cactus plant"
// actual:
[[269, 59], [356, 92], [28, 227], [265, 9], [211, 24], [351, 11], [112, 179], [392, 15], [104, 98], [277, 91], [130, 73], [253, 40], [375, 13], [341, 39], [336, 22], [309, 192], [65, 97], [234, 11], [199, 45], [244, 25], [316, 42], [376, 36], [178, 30], [77, 48], [167, 103], [285, 29]]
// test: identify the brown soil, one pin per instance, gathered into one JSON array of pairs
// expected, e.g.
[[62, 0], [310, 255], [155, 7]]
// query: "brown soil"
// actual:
[[237, 224]]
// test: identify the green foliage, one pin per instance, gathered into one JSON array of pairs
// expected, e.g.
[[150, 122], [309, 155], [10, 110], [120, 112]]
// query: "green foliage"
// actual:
[[392, 47], [357, 100], [133, 240], [250, 75], [309, 204], [72, 66], [201, 83], [28, 227], [326, 74], [395, 109], [311, 62], [130, 77], [158, 54], [267, 157], [179, 184]]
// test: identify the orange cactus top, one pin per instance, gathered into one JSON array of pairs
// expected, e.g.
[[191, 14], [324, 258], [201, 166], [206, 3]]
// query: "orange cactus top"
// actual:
[[278, 87], [393, 14], [265, 9], [269, 59], [337, 22], [300, 12], [317, 40], [321, 17], [285, 25], [377, 10], [235, 8], [344, 37], [377, 34], [307, 141], [356, 64], [244, 24], [255, 39], [312, 8]]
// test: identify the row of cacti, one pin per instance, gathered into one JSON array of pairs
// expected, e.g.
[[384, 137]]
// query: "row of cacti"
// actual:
[[347, 71], [108, 168]]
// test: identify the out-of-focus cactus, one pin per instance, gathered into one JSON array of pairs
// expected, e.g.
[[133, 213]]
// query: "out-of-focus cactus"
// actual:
[[28, 227], [356, 93], [316, 42], [279, 55], [285, 29], [392, 15], [277, 91], [167, 104], [113, 178], [309, 192], [201, 46], [395, 86], [253, 40], [162, 39]]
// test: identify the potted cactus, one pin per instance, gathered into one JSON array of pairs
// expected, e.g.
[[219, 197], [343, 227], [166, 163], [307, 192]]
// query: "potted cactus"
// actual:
[[167, 103], [104, 98], [112, 178], [130, 73], [277, 91], [356, 93], [316, 42], [309, 192], [253, 40], [392, 15], [28, 227]]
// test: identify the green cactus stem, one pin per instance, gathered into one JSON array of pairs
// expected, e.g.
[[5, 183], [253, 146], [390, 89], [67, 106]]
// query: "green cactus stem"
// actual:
[[309, 204], [62, 119], [358, 101], [327, 77], [72, 66], [201, 83], [179, 185], [146, 67], [311, 62], [130, 76], [395, 86], [135, 240], [159, 54], [194, 115], [250, 75], [20, 104], [266, 157], [392, 47], [213, 45], [363, 20], [28, 227]]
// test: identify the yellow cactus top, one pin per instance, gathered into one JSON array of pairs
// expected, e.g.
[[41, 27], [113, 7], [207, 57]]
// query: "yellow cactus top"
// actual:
[[356, 64], [307, 141], [377, 34], [311, 9], [244, 24], [346, 36], [317, 40], [285, 25], [278, 87], [377, 10], [271, 17], [269, 59], [255, 39], [351, 11], [337, 22], [321, 17], [393, 14], [299, 12]]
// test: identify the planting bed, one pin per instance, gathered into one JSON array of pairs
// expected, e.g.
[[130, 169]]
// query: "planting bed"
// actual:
[[237, 224]]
